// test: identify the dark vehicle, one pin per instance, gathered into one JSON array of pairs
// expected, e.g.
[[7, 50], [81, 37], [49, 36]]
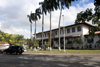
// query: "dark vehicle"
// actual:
[[14, 50], [1, 50]]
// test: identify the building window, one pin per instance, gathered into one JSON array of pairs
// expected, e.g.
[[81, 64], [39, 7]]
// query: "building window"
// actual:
[[68, 30], [90, 40], [60, 31], [45, 34], [55, 32], [79, 28], [73, 29]]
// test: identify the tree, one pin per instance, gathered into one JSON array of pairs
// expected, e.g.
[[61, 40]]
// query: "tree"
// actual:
[[87, 15], [84, 16], [30, 20], [98, 44], [12, 39], [51, 5], [35, 17], [63, 5], [43, 10], [77, 42]]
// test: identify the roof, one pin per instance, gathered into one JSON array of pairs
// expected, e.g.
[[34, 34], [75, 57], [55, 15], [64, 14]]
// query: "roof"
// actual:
[[68, 26], [3, 42], [3, 45], [97, 32]]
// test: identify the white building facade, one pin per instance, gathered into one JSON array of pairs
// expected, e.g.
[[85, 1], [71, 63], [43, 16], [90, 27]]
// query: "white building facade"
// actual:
[[72, 32]]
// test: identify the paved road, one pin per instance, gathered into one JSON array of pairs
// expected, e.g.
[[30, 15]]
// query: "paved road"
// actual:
[[43, 60]]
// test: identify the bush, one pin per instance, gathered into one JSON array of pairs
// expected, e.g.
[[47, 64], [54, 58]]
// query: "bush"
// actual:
[[46, 45], [35, 43]]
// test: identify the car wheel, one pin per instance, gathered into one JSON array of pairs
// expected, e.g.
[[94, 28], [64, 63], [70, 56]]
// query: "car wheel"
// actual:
[[10, 53], [16, 53], [6, 52], [20, 53]]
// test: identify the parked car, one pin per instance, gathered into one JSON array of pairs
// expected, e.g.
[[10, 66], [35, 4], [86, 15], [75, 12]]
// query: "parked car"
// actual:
[[14, 50], [1, 50]]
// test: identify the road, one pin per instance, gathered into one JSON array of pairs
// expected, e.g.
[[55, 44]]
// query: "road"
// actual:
[[50, 60]]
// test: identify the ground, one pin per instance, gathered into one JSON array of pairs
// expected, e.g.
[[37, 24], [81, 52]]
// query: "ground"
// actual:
[[50, 60]]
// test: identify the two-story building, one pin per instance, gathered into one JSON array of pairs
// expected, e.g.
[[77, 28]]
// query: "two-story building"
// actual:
[[72, 32]]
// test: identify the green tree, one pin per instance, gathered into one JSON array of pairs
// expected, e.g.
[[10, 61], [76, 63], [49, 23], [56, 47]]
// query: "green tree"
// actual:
[[88, 15], [78, 42], [84, 16], [35, 43]]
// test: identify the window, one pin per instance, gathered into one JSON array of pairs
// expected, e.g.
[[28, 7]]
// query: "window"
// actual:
[[73, 29], [68, 30], [79, 28], [90, 40], [45, 34], [60, 31], [55, 32]]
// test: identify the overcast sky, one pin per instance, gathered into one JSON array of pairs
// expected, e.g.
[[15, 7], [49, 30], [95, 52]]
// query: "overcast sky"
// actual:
[[13, 15]]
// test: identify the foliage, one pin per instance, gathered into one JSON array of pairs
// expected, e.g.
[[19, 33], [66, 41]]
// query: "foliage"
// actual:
[[84, 16], [88, 15], [35, 43], [46, 45], [30, 43], [78, 42], [69, 43], [12, 39], [98, 43]]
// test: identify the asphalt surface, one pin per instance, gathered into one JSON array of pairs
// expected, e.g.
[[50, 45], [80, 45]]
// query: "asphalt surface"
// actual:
[[50, 60]]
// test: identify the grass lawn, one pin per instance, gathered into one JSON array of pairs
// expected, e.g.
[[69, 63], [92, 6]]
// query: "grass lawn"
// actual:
[[68, 51]]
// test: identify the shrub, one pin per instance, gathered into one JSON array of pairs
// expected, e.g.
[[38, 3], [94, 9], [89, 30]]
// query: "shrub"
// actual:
[[46, 45], [35, 43]]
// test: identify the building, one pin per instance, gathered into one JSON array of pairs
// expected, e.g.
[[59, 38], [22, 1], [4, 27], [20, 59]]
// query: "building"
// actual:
[[4, 45], [76, 31]]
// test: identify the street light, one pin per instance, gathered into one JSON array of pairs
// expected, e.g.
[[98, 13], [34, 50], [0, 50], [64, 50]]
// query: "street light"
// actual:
[[64, 32]]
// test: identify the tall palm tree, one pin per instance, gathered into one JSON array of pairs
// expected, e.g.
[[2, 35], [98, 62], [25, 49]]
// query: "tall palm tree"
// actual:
[[63, 4], [35, 16], [43, 10], [51, 5], [30, 20]]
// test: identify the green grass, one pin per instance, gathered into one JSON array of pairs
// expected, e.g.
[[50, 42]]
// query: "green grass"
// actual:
[[68, 51]]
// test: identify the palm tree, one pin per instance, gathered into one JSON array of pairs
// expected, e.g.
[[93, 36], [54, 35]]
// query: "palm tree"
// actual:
[[44, 10], [50, 6], [30, 20], [63, 4], [35, 17]]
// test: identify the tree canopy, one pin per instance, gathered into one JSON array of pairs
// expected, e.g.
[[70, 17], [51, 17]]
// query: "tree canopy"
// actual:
[[12, 39]]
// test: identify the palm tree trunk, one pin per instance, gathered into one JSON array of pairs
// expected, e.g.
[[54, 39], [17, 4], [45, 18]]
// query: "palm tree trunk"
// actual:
[[42, 28], [35, 29], [31, 31], [50, 31], [59, 27]]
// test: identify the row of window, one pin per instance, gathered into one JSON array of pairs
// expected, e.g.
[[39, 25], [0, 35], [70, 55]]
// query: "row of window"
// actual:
[[62, 32], [68, 30]]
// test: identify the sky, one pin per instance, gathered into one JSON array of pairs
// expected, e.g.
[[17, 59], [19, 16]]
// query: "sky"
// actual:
[[13, 16]]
